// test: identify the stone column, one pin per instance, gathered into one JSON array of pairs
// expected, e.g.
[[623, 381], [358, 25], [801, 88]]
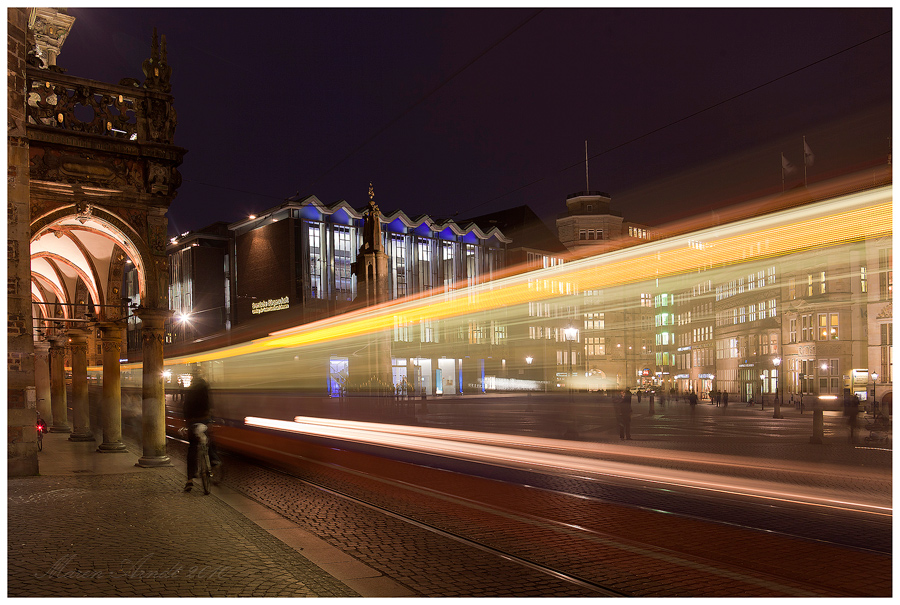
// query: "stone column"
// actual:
[[81, 418], [42, 380], [58, 387], [153, 396], [111, 411]]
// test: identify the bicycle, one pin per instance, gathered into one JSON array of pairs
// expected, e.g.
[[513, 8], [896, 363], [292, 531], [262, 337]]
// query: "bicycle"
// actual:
[[208, 472], [41, 427]]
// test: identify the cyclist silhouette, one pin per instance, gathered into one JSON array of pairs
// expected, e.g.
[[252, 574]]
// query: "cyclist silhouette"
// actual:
[[197, 410]]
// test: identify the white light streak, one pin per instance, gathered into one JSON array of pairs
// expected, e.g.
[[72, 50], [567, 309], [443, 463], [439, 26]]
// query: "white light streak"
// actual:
[[565, 457]]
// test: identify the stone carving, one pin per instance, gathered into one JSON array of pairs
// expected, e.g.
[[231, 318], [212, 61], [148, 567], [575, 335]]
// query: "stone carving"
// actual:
[[156, 69], [158, 178], [112, 345], [54, 105], [371, 225], [161, 120]]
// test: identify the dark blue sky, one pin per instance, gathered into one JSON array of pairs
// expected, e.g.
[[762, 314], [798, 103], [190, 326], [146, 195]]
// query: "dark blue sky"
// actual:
[[470, 111]]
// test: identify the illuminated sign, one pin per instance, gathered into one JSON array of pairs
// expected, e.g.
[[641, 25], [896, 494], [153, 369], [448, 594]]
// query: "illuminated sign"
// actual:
[[264, 306]]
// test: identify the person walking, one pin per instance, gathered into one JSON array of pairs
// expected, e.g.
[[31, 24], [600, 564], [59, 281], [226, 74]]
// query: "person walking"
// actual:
[[623, 415], [851, 411], [652, 410], [725, 399]]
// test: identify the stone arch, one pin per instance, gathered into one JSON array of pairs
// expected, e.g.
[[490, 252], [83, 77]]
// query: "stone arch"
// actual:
[[123, 243]]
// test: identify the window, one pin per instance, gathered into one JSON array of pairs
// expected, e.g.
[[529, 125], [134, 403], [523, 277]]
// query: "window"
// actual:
[[793, 331], [809, 284], [772, 309], [426, 331], [828, 326], [315, 261], [792, 288], [887, 342], [821, 282], [582, 234], [595, 346], [594, 321], [863, 283], [885, 274], [807, 329], [752, 312], [343, 257], [590, 234], [448, 256], [646, 300], [423, 261], [401, 329]]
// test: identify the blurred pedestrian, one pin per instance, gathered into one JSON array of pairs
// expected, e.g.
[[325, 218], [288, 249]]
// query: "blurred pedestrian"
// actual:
[[623, 415], [652, 411], [725, 399], [851, 411]]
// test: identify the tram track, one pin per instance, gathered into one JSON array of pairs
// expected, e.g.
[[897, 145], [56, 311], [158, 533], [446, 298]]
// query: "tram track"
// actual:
[[763, 578], [432, 516]]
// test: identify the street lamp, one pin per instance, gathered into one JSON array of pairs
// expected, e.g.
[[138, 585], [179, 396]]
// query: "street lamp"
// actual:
[[778, 391], [874, 402], [762, 401]]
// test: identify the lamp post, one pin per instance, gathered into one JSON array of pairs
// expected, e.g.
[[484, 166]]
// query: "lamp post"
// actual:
[[874, 401], [762, 384], [571, 336], [778, 391]]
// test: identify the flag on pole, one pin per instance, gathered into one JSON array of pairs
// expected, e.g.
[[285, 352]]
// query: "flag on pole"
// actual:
[[808, 157], [786, 166]]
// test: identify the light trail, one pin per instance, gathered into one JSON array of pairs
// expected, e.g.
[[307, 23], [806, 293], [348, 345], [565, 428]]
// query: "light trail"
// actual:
[[500, 450], [843, 220]]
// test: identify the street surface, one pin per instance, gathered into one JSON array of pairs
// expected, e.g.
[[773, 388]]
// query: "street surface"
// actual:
[[444, 527]]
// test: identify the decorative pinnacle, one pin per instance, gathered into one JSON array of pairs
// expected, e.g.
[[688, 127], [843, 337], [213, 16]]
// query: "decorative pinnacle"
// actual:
[[371, 192]]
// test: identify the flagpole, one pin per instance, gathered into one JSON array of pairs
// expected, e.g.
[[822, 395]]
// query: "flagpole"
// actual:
[[805, 162], [782, 172], [586, 179]]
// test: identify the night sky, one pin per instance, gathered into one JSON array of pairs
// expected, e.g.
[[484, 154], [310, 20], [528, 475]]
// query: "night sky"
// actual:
[[461, 112]]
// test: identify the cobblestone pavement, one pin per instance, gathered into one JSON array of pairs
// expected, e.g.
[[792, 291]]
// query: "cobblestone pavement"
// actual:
[[137, 534], [130, 532]]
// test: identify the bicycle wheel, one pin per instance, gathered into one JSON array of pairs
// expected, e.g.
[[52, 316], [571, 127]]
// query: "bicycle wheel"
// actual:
[[205, 470]]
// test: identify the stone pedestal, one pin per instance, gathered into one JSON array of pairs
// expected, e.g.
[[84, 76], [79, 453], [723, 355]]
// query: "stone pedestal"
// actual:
[[153, 407]]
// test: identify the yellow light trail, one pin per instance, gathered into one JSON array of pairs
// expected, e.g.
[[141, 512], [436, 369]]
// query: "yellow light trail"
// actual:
[[843, 220]]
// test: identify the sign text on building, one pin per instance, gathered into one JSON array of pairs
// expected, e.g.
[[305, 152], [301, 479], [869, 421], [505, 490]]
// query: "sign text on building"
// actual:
[[273, 304]]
